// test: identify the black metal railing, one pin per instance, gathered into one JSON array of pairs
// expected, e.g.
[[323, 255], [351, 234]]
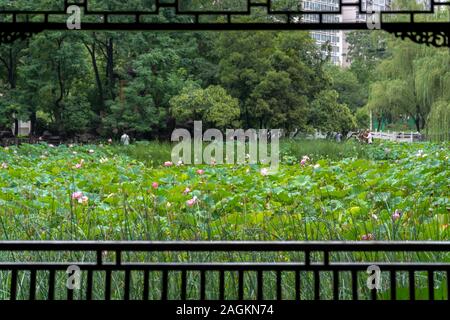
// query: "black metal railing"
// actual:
[[224, 270]]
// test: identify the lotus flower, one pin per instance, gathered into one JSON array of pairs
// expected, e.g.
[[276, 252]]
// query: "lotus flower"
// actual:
[[168, 164], [304, 160], [186, 191], [77, 195], [4, 165], [200, 171], [83, 200], [264, 172], [155, 185], [367, 237], [396, 215], [191, 202]]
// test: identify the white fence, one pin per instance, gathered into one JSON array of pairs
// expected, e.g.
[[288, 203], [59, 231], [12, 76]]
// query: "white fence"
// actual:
[[397, 136]]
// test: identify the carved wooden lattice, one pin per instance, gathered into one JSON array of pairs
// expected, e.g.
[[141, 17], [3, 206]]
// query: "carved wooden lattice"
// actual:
[[430, 25]]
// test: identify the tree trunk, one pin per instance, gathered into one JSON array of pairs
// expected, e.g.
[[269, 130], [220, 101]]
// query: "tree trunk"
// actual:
[[110, 66], [33, 120], [423, 123], [16, 127], [417, 123], [12, 70], [98, 80], [12, 84]]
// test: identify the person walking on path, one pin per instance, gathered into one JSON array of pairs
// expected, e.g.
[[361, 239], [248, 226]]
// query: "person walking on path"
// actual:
[[125, 139], [369, 137]]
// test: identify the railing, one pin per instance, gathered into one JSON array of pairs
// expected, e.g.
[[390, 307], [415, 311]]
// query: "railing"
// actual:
[[223, 270], [398, 136]]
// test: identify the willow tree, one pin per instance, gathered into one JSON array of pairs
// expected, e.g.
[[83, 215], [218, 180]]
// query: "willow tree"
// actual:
[[438, 128], [411, 81]]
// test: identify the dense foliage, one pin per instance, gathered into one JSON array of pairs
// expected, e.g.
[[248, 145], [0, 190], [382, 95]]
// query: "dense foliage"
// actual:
[[97, 192], [109, 82]]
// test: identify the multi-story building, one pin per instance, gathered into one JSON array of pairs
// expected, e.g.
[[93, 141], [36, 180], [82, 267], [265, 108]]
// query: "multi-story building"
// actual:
[[337, 45], [330, 40]]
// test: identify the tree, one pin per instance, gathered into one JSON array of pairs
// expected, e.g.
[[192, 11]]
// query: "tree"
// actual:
[[438, 128], [410, 81], [345, 82], [153, 78], [327, 115], [366, 49], [53, 79], [274, 75], [213, 105], [362, 117]]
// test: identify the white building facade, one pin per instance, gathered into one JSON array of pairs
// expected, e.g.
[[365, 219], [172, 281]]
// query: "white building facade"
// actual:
[[332, 38], [337, 39]]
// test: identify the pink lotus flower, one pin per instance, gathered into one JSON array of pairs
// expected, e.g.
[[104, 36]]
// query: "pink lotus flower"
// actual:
[[155, 185], [264, 172], [4, 165], [396, 215], [200, 171], [191, 202], [77, 195], [78, 165], [303, 162], [83, 200], [367, 237], [168, 164], [186, 191]]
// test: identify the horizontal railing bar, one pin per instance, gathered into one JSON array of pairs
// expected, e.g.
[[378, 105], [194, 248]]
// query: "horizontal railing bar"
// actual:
[[227, 266], [331, 246]]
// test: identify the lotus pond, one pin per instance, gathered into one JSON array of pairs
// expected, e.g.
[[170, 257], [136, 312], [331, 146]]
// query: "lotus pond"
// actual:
[[393, 192]]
